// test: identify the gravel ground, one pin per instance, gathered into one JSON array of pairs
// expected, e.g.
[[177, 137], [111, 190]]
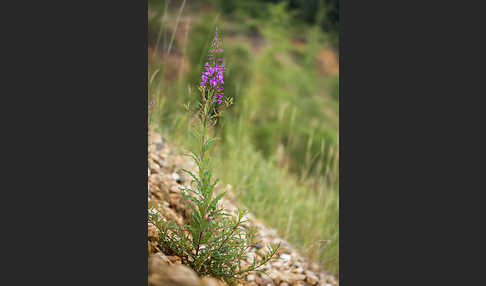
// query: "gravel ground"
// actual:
[[164, 180]]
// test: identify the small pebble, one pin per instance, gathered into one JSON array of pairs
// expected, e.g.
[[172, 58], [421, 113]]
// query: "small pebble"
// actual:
[[285, 257]]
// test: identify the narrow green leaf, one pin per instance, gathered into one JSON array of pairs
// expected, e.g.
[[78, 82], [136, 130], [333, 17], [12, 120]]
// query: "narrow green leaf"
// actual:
[[208, 143]]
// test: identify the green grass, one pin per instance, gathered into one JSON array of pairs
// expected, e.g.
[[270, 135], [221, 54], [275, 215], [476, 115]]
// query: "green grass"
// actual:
[[279, 143], [303, 211]]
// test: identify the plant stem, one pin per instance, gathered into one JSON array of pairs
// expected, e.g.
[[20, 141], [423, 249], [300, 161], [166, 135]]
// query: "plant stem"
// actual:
[[199, 242], [205, 119]]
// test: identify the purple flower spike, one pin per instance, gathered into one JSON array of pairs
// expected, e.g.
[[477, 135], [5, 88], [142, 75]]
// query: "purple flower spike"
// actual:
[[212, 76]]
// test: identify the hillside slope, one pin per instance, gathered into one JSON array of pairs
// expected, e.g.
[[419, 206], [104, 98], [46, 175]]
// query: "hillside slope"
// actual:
[[164, 180]]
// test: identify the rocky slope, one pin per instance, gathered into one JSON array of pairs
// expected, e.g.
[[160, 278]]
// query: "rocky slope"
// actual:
[[164, 180]]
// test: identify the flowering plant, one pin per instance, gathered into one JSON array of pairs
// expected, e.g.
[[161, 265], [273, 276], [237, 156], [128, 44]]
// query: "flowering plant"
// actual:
[[213, 242]]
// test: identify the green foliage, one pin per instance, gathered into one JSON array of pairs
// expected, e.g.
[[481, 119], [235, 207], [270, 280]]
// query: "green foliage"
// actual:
[[156, 4], [156, 9], [335, 88], [322, 13], [214, 242], [252, 8]]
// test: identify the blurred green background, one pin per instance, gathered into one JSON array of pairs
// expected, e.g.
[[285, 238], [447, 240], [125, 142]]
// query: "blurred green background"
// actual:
[[279, 141]]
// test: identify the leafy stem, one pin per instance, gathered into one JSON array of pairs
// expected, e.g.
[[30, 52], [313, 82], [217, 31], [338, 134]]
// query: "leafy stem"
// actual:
[[210, 242]]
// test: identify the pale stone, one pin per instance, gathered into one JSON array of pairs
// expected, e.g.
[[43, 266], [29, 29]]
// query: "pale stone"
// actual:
[[155, 137], [161, 274], [314, 267], [331, 280], [299, 277], [258, 280], [176, 176], [153, 232], [208, 281], [162, 257], [154, 167], [322, 277], [275, 276], [311, 278], [266, 280], [154, 179], [174, 189], [285, 257], [297, 270], [153, 157]]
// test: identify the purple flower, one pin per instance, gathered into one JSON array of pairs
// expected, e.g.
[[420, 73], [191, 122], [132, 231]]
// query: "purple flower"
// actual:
[[213, 75], [214, 82]]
